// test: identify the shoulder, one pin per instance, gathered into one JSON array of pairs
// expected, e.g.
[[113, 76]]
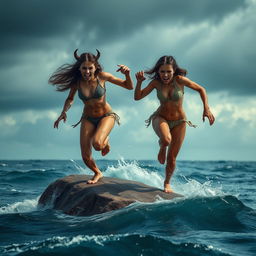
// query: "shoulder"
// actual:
[[154, 83], [104, 75], [74, 86], [182, 80]]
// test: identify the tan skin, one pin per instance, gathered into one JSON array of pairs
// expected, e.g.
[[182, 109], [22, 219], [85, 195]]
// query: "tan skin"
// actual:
[[170, 140], [91, 136]]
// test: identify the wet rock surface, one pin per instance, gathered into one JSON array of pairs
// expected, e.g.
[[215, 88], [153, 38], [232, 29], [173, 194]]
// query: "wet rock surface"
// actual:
[[74, 196]]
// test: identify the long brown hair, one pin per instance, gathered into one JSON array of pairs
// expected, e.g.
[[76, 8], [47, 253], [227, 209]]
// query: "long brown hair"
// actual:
[[153, 72], [68, 75]]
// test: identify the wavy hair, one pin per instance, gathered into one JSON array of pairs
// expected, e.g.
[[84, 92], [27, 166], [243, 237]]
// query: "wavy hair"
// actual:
[[68, 75], [153, 72]]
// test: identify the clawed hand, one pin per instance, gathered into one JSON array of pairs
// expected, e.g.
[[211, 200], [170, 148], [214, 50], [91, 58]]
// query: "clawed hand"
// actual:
[[207, 113], [63, 116], [123, 69], [140, 76]]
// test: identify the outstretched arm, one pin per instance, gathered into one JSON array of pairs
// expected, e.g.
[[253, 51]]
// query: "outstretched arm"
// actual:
[[68, 102], [127, 83], [187, 82], [138, 93]]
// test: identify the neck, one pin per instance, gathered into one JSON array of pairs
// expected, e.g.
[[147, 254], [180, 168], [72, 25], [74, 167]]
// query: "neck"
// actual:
[[91, 80]]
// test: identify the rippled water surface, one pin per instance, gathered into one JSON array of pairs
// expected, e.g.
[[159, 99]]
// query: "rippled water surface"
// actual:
[[216, 216]]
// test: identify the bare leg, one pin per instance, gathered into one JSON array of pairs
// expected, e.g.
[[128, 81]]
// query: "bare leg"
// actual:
[[100, 139], [178, 135], [87, 131], [162, 130], [106, 147]]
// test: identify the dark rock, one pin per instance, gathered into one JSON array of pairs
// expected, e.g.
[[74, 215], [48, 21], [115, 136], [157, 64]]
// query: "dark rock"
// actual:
[[74, 196]]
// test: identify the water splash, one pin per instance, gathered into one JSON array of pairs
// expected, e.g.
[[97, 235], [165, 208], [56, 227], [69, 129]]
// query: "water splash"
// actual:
[[132, 171], [27, 205], [192, 188]]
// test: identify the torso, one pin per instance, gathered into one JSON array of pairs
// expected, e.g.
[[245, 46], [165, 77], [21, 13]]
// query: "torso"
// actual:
[[93, 95], [171, 99]]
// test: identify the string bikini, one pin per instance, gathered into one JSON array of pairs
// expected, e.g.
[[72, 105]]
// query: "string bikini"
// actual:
[[99, 92], [176, 95]]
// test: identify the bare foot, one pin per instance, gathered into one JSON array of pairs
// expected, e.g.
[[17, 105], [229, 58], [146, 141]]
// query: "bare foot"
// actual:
[[95, 178], [162, 155], [105, 150], [167, 188]]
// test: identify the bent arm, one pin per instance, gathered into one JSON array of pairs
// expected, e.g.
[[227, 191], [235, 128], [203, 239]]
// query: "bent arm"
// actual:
[[140, 94], [127, 83], [201, 90], [194, 86]]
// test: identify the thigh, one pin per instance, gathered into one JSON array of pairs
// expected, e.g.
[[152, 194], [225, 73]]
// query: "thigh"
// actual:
[[87, 130], [178, 134], [161, 127], [104, 128]]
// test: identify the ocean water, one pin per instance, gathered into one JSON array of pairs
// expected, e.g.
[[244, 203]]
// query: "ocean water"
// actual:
[[216, 216]]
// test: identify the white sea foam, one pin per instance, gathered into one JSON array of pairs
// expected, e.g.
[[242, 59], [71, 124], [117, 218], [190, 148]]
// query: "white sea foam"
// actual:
[[193, 188], [27, 205], [62, 241], [132, 171]]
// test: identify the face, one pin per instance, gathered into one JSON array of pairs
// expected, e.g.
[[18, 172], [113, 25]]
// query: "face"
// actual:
[[87, 70], [166, 73]]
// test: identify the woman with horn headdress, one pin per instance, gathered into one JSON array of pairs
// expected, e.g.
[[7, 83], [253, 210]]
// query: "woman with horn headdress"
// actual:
[[86, 77]]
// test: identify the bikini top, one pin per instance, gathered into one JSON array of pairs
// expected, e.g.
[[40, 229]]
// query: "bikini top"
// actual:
[[99, 92], [176, 95]]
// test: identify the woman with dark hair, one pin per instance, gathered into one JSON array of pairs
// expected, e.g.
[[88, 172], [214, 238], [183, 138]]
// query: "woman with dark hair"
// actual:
[[169, 120], [86, 77]]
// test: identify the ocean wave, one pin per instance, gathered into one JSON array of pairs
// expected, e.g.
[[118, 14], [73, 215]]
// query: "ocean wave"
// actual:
[[226, 213], [125, 244], [27, 205], [28, 176]]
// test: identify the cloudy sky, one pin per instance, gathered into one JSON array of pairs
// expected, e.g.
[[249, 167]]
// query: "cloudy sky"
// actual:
[[213, 39]]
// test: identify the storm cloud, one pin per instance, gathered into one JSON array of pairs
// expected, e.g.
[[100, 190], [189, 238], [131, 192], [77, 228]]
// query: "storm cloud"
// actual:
[[213, 40]]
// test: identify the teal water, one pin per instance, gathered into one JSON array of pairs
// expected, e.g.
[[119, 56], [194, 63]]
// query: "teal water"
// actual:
[[216, 216]]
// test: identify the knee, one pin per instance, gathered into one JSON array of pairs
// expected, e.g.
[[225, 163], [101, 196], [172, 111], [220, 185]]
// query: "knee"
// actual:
[[97, 145], [165, 141]]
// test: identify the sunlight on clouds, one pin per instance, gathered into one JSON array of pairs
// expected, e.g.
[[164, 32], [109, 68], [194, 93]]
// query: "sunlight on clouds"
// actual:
[[30, 116], [226, 109], [232, 113], [8, 125], [126, 114], [7, 121]]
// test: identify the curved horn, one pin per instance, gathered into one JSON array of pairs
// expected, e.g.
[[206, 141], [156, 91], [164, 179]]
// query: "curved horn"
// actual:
[[75, 55], [98, 54]]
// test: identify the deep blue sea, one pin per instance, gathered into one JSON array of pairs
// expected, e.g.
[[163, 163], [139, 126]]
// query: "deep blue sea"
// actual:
[[216, 216]]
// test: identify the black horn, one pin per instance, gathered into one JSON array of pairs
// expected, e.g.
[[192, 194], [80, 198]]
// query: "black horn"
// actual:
[[75, 55], [98, 54]]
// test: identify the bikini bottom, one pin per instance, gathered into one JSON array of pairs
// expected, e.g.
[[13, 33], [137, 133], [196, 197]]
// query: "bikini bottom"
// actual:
[[96, 120], [171, 123], [174, 123]]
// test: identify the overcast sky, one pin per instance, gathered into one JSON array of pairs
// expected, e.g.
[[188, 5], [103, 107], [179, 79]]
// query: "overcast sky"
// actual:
[[213, 39]]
